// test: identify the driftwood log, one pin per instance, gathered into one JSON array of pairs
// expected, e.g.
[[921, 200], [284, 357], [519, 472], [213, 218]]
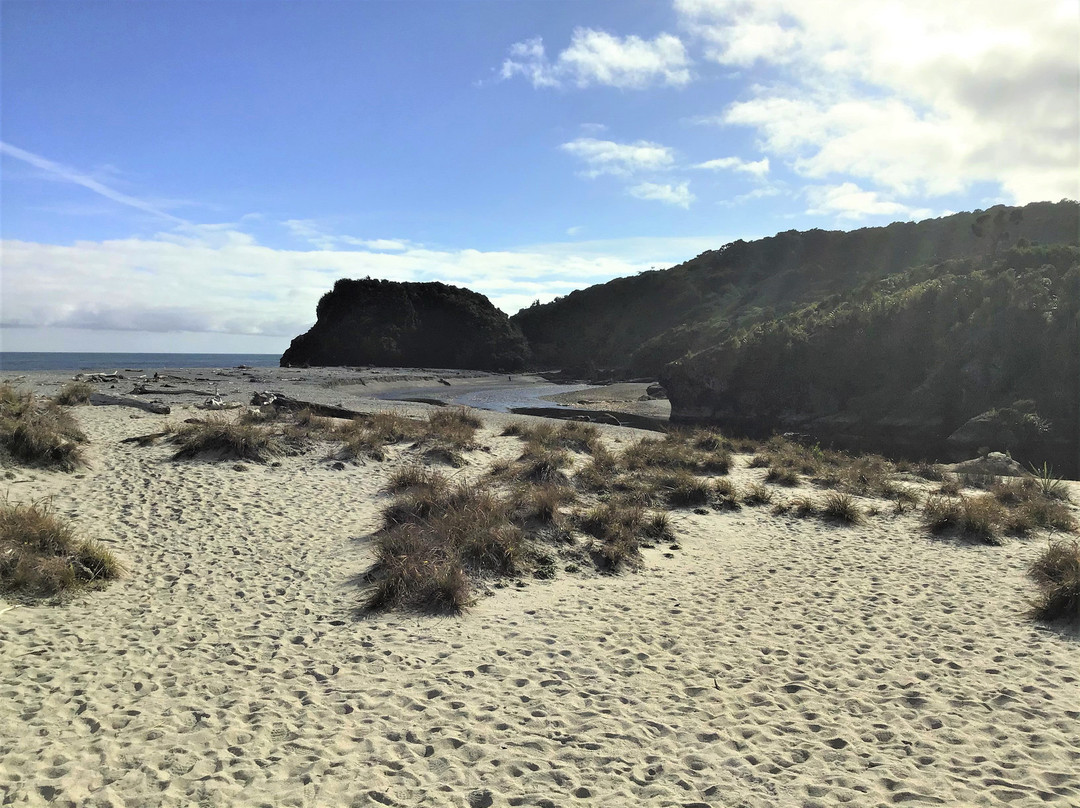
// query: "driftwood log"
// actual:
[[143, 390], [107, 399], [283, 402]]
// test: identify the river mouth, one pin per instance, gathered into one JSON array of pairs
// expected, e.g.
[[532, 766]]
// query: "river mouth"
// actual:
[[619, 404], [501, 397]]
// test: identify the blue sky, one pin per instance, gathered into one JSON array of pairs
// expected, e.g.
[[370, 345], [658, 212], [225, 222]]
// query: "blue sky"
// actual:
[[192, 176]]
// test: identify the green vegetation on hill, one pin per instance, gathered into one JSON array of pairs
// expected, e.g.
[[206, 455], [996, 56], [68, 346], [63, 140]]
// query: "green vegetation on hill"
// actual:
[[636, 325], [894, 338]]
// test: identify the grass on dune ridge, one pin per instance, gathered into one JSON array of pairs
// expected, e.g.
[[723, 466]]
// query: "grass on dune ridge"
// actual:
[[572, 493]]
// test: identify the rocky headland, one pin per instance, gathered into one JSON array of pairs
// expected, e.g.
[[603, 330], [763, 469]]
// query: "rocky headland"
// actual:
[[392, 324]]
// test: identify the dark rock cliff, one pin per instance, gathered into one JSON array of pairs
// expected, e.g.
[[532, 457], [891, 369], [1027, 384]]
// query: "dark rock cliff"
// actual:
[[392, 324]]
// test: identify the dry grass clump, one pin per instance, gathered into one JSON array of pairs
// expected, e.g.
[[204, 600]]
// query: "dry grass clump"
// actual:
[[542, 466], [541, 503], [950, 487], [672, 452], [758, 494], [783, 476], [933, 472], [841, 507], [781, 453], [40, 554], [803, 506], [417, 478], [433, 540], [905, 499], [74, 393], [617, 528], [444, 434], [980, 517], [369, 435], [226, 439], [577, 436], [39, 433], [865, 475], [1057, 572], [681, 489], [1030, 506], [598, 475], [454, 427], [709, 440], [727, 495]]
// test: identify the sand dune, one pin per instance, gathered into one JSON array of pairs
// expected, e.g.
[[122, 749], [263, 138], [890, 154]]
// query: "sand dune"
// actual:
[[769, 661]]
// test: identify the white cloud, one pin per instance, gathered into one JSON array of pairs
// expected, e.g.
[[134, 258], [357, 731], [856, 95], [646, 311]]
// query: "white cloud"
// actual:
[[756, 168], [678, 194], [849, 201], [919, 97], [58, 171], [599, 58], [215, 280], [619, 159]]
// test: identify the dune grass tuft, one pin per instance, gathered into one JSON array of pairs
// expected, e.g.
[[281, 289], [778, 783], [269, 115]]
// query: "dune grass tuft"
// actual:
[[41, 555], [681, 489], [617, 528], [453, 427], [676, 451], [841, 507], [74, 393], [433, 539], [1057, 573], [757, 494], [727, 495], [979, 517], [541, 503], [39, 433], [226, 439]]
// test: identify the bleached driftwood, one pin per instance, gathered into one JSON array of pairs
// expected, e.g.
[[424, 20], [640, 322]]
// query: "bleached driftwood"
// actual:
[[143, 390], [283, 402]]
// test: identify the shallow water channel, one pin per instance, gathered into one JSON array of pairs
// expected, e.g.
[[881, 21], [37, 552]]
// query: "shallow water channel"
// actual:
[[501, 398]]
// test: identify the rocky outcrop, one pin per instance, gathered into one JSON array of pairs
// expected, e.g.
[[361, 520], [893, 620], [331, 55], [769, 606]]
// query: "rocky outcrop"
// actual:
[[392, 324]]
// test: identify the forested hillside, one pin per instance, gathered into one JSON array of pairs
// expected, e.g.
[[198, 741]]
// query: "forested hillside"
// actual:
[[933, 338], [636, 325]]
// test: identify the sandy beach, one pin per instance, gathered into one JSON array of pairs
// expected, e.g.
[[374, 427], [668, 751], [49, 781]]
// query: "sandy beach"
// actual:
[[764, 660]]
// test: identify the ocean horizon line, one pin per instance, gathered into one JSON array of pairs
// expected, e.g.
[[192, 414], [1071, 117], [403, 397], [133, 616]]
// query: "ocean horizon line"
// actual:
[[18, 361]]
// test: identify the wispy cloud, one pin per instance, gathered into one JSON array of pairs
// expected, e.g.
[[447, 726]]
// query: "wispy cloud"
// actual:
[[756, 168], [619, 159], [677, 194], [317, 235], [71, 175], [599, 58], [849, 201]]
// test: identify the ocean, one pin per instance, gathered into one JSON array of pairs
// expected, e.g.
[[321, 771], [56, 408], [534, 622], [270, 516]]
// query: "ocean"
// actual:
[[108, 362]]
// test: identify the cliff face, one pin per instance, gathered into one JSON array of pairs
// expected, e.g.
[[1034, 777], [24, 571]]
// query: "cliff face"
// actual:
[[391, 324]]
